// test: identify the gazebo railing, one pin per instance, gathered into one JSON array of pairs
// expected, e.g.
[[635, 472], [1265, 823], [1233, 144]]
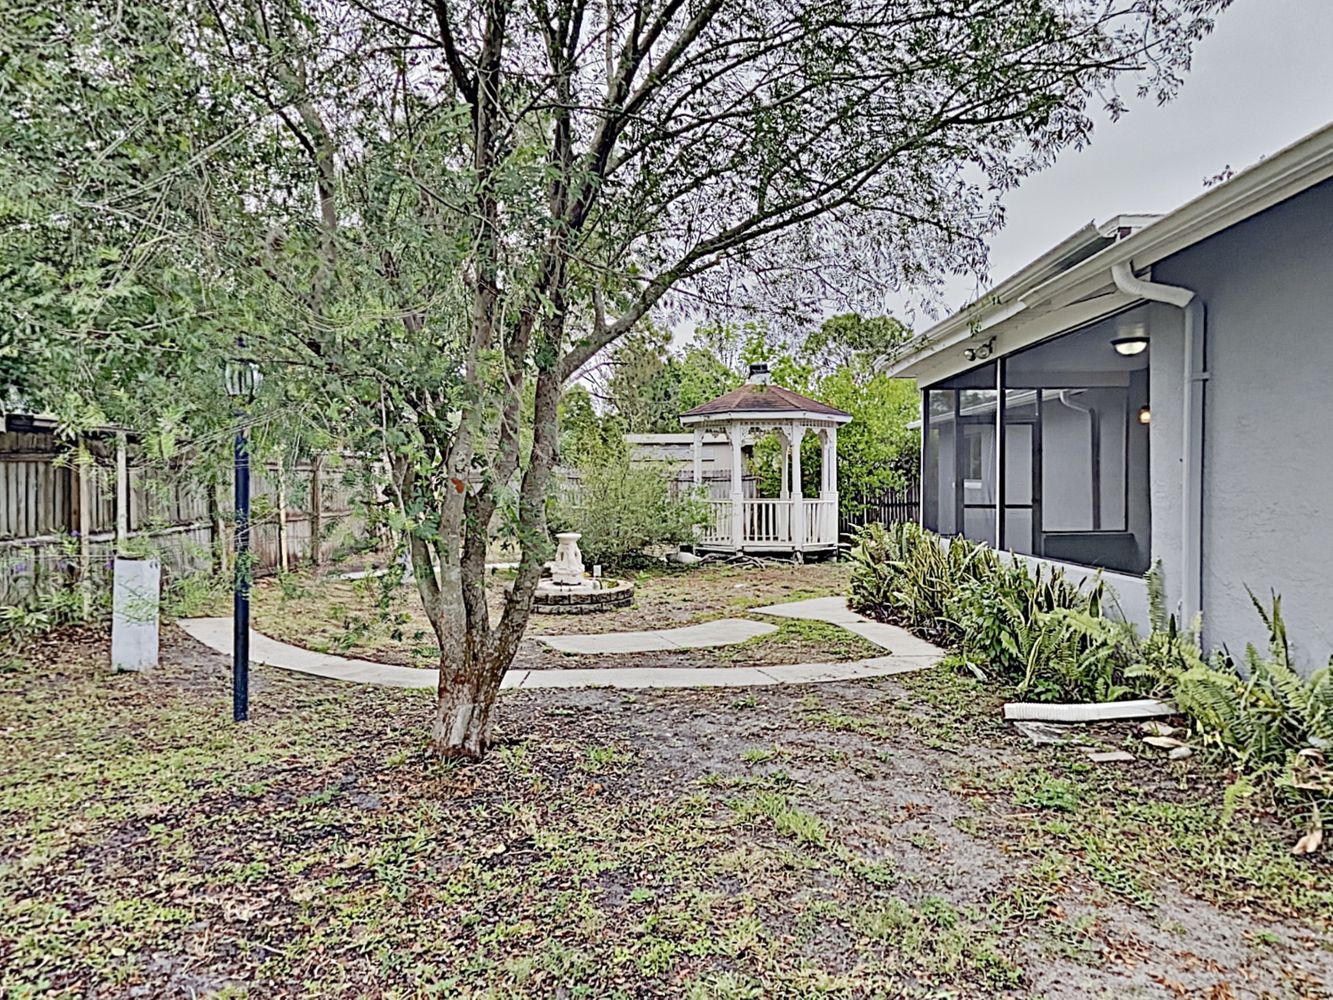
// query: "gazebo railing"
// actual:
[[821, 522], [768, 523], [718, 531]]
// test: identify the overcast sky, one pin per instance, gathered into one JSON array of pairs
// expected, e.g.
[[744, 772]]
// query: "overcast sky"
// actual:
[[1260, 81]]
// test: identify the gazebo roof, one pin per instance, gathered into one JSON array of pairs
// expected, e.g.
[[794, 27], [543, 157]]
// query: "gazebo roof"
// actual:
[[763, 399]]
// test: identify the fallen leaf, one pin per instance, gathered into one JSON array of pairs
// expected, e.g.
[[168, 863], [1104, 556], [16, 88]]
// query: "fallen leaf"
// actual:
[[1309, 843], [1165, 742]]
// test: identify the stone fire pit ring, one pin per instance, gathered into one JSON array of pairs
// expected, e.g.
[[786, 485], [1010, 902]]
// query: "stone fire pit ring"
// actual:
[[554, 599]]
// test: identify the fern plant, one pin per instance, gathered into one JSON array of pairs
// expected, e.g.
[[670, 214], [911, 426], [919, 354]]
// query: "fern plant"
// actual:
[[1274, 724]]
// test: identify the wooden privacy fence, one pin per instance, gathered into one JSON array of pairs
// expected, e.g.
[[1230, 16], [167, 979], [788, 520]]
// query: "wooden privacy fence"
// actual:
[[59, 521], [680, 482], [889, 507]]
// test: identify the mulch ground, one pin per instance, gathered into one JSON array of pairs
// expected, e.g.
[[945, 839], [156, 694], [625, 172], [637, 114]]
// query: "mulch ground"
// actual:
[[885, 838]]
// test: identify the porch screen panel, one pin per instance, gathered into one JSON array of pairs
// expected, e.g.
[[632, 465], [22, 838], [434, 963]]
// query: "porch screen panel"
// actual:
[[960, 466], [937, 471], [978, 463], [1021, 467], [1075, 451]]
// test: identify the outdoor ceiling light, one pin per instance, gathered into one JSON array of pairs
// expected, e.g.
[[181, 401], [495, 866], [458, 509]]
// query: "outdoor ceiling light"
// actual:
[[1130, 346]]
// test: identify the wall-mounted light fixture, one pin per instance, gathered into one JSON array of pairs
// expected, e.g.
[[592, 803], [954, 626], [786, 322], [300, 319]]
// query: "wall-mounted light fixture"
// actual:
[[1145, 415], [1130, 346], [981, 352]]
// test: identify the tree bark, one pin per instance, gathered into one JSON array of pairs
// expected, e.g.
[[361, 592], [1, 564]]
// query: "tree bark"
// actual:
[[465, 707]]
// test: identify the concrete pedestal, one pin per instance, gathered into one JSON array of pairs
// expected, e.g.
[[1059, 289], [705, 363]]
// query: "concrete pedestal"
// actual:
[[135, 606]]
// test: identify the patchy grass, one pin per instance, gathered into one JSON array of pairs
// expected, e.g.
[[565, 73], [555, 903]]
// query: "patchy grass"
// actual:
[[778, 842], [361, 619], [797, 642]]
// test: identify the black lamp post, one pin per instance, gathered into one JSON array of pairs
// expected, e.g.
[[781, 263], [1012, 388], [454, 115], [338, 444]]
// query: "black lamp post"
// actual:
[[242, 378]]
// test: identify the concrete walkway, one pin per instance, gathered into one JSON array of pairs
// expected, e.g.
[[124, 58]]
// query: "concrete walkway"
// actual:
[[723, 632], [907, 654], [834, 610]]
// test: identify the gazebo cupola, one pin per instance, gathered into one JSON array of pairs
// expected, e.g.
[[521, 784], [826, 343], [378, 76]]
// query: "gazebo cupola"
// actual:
[[790, 523]]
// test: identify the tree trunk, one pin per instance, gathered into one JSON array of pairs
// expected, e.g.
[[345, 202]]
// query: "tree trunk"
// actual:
[[465, 708]]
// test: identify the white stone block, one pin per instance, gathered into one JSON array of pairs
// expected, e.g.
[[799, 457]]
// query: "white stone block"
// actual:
[[135, 607]]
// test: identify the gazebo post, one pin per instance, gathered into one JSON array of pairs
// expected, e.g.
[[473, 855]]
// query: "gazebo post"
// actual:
[[784, 489], [698, 456], [797, 500], [833, 463], [828, 489], [737, 491]]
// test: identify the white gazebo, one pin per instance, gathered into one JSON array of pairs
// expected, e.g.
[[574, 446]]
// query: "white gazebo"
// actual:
[[790, 523]]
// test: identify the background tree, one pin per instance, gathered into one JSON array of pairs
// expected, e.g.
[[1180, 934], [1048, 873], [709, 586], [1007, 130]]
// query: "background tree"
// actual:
[[641, 386], [853, 340], [561, 168]]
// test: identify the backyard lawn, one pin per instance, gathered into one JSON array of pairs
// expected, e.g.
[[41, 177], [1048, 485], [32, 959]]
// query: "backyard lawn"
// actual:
[[879, 838], [359, 618]]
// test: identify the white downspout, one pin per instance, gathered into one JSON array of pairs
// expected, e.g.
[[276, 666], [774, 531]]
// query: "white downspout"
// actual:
[[1195, 375]]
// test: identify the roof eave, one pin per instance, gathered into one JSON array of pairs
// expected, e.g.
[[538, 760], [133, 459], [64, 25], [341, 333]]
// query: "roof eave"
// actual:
[[1305, 163]]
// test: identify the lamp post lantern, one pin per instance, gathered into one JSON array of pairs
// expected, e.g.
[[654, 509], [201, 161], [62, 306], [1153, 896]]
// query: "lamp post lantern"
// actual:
[[242, 378]]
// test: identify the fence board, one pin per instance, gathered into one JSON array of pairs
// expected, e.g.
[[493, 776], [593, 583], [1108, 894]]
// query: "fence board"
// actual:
[[171, 510], [889, 507]]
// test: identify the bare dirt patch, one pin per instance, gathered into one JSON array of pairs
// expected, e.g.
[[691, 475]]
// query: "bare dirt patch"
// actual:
[[882, 838]]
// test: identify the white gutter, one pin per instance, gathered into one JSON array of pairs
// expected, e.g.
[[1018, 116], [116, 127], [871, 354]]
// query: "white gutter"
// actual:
[[996, 318], [1195, 375]]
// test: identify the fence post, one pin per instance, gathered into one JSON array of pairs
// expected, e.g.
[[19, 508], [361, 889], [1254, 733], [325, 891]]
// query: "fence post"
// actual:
[[284, 560], [82, 466], [122, 493], [316, 514]]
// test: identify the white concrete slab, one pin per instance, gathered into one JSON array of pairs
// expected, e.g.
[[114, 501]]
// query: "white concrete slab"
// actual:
[[891, 637], [834, 610], [723, 632], [216, 634], [648, 677], [813, 673]]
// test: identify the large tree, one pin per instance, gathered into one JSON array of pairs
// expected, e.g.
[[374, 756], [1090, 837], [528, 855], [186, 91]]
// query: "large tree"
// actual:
[[431, 215]]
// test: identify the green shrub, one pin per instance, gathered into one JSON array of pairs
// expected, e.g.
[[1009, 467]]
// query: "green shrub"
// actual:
[[1050, 638], [622, 510], [49, 609], [912, 574], [1275, 725], [1036, 627]]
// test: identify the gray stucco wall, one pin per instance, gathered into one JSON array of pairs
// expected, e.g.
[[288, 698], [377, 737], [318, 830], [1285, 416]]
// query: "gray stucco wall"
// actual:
[[1267, 285]]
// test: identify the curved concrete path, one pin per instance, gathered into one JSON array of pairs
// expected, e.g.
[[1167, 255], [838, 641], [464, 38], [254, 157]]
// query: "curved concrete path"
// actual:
[[834, 610], [722, 632], [908, 654]]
